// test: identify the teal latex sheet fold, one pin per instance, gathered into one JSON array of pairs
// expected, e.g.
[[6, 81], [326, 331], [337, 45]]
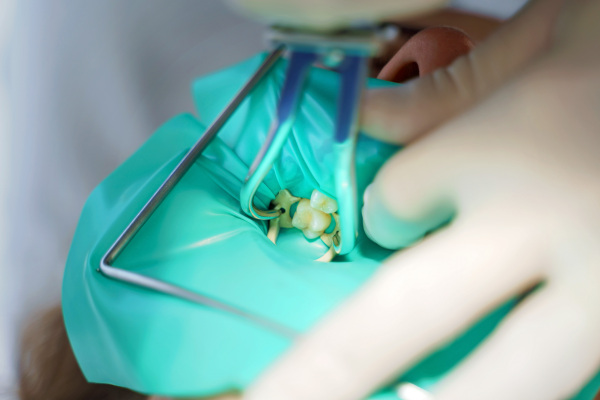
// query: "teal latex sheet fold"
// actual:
[[200, 239]]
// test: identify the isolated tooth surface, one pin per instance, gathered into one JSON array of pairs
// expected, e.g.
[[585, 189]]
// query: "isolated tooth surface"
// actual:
[[302, 216], [311, 221], [323, 202]]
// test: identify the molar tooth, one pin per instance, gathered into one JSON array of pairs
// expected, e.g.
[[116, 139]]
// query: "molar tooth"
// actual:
[[302, 216], [320, 221], [310, 234], [323, 202], [312, 222]]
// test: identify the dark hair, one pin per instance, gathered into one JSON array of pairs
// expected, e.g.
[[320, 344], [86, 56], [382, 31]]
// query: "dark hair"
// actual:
[[48, 369]]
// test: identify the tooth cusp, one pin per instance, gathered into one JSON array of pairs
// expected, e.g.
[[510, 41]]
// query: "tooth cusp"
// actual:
[[323, 202], [310, 221]]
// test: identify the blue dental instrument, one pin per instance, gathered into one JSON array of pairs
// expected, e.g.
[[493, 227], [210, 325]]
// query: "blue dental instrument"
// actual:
[[348, 54]]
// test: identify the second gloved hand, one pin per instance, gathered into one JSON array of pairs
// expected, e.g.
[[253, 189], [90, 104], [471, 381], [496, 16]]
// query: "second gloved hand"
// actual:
[[521, 172]]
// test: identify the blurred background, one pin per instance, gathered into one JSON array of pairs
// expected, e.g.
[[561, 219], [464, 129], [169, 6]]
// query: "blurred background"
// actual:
[[82, 85]]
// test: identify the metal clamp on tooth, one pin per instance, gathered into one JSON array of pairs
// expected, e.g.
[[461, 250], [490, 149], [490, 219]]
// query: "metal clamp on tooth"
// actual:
[[348, 53], [305, 50]]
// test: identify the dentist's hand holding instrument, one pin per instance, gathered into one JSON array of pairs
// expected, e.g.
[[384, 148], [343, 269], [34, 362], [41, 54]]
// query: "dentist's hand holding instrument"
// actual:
[[506, 139]]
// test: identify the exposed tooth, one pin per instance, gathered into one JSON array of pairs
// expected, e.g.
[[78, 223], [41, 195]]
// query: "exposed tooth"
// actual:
[[322, 202], [312, 217], [310, 221], [284, 200]]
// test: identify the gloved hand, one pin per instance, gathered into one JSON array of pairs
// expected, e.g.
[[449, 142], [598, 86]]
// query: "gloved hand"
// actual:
[[519, 167], [331, 14]]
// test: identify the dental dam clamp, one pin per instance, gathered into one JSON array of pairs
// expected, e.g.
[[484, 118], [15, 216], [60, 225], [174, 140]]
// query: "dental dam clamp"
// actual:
[[347, 53]]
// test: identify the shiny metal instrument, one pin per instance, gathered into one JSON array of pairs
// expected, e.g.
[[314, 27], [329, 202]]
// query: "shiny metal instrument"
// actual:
[[347, 53]]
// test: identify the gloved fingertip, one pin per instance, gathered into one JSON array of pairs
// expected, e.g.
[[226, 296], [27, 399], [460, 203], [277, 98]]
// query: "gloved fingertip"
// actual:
[[382, 227], [383, 115], [269, 391]]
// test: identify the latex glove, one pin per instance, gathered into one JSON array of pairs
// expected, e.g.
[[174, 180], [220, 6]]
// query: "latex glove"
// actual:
[[331, 14], [522, 172]]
